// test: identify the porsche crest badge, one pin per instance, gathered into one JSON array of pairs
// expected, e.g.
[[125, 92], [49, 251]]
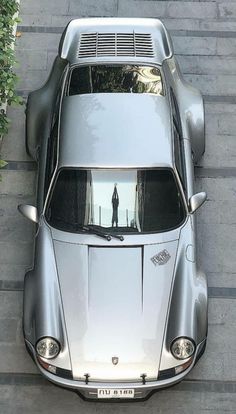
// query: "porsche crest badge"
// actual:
[[115, 360]]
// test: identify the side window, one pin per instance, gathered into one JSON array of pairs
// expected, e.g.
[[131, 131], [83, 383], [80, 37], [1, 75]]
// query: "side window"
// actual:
[[51, 145], [51, 155], [175, 112], [178, 154], [178, 139]]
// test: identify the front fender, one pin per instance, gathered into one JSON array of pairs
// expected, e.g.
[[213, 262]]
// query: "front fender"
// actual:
[[188, 306], [43, 309]]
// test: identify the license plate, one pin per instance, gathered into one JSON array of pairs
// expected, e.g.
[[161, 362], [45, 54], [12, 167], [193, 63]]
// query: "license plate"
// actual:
[[115, 393]]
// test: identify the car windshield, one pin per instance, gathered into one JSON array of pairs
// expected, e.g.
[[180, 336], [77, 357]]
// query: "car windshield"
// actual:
[[115, 78], [119, 201]]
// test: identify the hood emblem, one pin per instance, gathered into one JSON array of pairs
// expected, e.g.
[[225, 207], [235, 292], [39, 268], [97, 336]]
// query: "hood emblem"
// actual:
[[161, 258], [115, 360]]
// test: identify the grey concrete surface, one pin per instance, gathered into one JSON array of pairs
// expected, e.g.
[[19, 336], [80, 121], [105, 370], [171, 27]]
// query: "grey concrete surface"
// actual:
[[41, 398], [204, 37]]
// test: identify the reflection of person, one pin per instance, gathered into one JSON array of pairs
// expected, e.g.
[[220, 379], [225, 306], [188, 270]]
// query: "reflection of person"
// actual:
[[115, 204]]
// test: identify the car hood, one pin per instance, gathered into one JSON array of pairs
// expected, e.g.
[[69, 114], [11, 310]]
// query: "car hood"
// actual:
[[115, 302]]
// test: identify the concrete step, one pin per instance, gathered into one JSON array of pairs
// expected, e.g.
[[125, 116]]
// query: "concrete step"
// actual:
[[9, 203], [221, 123], [220, 151], [46, 22], [222, 279], [12, 276], [214, 84], [38, 41], [222, 26], [16, 228], [216, 225], [218, 190], [176, 9], [13, 146], [217, 246], [63, 7], [202, 65], [18, 183], [16, 253]]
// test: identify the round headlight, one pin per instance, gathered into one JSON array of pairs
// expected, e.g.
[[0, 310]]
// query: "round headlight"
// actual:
[[183, 348], [48, 348]]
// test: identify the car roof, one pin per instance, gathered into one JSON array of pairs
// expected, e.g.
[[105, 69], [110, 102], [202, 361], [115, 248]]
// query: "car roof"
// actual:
[[113, 130]]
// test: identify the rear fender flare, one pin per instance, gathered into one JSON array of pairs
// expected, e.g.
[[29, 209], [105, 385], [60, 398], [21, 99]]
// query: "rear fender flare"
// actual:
[[40, 109]]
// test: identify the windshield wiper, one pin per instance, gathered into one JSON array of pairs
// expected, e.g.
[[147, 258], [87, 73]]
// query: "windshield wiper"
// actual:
[[117, 236], [99, 233], [91, 229]]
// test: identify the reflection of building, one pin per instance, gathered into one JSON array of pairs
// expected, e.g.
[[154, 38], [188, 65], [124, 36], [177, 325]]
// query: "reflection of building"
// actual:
[[115, 204]]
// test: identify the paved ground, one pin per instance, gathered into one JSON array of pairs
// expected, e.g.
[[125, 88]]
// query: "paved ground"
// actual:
[[204, 35]]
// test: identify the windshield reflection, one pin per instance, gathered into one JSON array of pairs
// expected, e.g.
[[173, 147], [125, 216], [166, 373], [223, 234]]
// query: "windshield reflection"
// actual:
[[122, 201], [113, 198], [116, 79]]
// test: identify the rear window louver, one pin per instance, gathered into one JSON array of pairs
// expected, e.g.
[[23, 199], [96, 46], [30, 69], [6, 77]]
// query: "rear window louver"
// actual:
[[115, 44]]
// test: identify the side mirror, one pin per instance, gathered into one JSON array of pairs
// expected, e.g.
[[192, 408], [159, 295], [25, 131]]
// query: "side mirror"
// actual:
[[196, 201], [30, 212]]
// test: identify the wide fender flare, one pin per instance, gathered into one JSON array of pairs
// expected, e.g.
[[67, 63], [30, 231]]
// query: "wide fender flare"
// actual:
[[191, 107], [40, 109], [43, 312], [188, 312]]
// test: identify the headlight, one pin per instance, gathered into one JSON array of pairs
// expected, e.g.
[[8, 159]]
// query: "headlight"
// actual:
[[47, 348], [182, 348]]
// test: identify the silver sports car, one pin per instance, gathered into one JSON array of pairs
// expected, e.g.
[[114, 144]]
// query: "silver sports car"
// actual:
[[115, 306]]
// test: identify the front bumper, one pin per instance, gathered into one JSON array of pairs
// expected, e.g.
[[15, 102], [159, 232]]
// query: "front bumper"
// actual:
[[141, 391]]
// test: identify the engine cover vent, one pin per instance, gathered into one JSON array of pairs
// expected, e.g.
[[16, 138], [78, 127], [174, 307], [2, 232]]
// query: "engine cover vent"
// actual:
[[115, 44]]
